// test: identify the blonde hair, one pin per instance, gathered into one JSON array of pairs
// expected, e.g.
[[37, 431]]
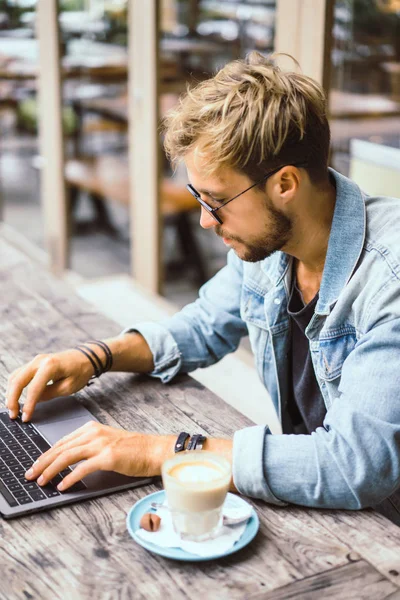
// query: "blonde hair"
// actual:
[[251, 116]]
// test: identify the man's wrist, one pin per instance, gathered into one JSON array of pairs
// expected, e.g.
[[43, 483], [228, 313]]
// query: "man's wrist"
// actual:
[[131, 353], [161, 448]]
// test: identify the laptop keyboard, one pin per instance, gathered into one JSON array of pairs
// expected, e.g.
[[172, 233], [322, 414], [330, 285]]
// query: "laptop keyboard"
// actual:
[[20, 445]]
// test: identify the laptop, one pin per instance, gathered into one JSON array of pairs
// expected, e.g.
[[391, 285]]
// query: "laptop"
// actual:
[[22, 443]]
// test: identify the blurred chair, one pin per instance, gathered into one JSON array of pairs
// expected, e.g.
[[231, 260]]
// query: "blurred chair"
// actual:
[[93, 131], [106, 178]]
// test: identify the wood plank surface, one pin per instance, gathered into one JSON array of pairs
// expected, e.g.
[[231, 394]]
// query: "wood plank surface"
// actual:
[[84, 550], [357, 580]]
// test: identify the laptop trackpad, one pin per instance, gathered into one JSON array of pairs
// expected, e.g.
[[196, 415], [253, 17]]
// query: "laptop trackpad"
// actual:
[[58, 429], [59, 409], [59, 417]]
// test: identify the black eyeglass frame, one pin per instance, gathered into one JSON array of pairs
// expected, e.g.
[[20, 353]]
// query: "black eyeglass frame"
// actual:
[[213, 211]]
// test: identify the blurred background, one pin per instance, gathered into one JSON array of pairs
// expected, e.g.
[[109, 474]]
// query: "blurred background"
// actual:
[[360, 44]]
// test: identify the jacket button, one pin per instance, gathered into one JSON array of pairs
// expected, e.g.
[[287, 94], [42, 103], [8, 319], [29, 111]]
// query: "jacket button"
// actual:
[[277, 301]]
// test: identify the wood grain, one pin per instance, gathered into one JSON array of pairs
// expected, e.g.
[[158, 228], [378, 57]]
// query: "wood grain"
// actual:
[[357, 580], [84, 551]]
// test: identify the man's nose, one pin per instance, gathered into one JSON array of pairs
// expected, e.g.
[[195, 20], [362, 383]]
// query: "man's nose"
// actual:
[[206, 219]]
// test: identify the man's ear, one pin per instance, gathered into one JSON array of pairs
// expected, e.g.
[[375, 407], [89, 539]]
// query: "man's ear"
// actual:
[[289, 182]]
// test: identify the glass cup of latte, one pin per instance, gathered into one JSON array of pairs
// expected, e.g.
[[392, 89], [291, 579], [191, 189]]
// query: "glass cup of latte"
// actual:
[[196, 483]]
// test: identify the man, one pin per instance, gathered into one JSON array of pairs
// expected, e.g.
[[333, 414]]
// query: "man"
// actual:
[[313, 279]]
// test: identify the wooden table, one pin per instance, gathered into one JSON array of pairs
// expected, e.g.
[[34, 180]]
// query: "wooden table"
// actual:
[[348, 105], [72, 69], [19, 61], [112, 108], [115, 108], [84, 550], [85, 58]]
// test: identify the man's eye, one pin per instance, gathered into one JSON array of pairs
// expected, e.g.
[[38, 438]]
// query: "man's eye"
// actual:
[[213, 202]]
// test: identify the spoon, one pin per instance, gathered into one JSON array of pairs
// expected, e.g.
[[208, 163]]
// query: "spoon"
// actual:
[[226, 520]]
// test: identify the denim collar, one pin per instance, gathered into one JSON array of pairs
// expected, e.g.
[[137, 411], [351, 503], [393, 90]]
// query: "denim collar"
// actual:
[[345, 245]]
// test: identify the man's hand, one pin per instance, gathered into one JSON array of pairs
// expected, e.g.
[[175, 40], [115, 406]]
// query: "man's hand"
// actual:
[[103, 448], [48, 376], [68, 371]]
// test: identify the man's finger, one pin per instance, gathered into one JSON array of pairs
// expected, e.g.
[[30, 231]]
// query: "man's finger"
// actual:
[[59, 388], [16, 386], [82, 470], [49, 457], [76, 438], [12, 375], [10, 380], [36, 388], [64, 460], [85, 430]]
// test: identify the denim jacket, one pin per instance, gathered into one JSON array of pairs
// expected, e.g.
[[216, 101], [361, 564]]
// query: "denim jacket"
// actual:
[[353, 461]]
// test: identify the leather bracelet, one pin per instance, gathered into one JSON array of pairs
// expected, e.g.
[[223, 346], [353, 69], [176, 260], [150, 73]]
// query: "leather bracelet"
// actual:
[[196, 442], [107, 352], [96, 358], [180, 441], [95, 367]]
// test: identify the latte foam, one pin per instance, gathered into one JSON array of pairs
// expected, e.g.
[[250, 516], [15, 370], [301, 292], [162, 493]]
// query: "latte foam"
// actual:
[[196, 472]]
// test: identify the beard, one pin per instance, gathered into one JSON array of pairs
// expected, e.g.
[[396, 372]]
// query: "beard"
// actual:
[[278, 229]]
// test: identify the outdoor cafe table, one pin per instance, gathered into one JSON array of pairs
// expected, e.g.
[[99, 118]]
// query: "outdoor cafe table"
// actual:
[[84, 550]]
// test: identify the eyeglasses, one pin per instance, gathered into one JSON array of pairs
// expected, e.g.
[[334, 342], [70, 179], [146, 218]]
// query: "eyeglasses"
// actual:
[[213, 210]]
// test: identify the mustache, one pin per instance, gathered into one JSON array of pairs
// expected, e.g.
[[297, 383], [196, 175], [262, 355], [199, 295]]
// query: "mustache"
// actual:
[[220, 233], [229, 238]]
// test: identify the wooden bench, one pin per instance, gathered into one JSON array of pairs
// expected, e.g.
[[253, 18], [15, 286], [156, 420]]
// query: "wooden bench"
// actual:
[[106, 178]]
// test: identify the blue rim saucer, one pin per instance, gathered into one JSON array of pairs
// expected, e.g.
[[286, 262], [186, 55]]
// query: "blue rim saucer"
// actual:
[[144, 505]]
